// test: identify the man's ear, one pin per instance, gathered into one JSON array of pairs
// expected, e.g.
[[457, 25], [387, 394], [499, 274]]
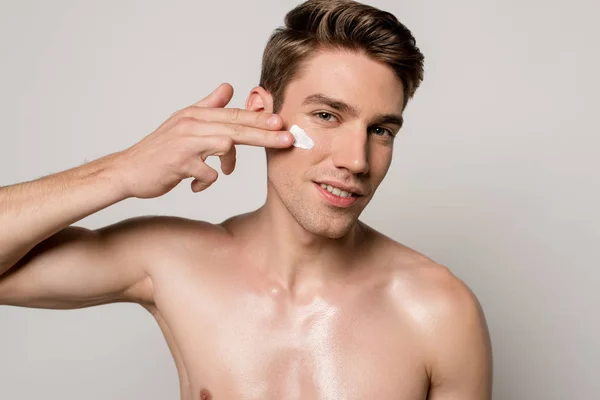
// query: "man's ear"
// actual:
[[259, 100]]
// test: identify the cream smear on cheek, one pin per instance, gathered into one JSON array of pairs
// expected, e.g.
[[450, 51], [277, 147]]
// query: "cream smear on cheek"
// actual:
[[302, 140]]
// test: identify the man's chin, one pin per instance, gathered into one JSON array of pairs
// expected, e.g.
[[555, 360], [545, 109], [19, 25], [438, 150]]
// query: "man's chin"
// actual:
[[338, 234], [317, 217], [331, 229]]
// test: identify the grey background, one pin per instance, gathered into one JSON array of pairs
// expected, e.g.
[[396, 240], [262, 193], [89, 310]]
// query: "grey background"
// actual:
[[495, 173]]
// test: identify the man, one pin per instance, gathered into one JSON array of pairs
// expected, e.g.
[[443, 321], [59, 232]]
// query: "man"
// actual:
[[298, 299]]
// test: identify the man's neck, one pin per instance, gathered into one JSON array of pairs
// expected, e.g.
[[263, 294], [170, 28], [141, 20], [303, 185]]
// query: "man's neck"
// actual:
[[294, 258]]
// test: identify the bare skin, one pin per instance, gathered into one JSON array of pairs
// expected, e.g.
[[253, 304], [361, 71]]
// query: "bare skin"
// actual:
[[296, 300]]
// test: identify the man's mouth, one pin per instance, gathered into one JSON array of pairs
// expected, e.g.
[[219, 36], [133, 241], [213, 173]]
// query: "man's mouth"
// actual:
[[337, 191], [338, 194]]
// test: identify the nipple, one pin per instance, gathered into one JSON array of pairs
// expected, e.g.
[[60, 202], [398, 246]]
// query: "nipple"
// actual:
[[205, 395]]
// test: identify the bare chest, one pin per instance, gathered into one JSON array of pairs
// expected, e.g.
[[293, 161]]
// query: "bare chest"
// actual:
[[237, 344]]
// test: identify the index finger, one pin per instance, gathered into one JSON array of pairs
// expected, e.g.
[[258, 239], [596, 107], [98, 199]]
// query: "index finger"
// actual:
[[234, 116], [251, 136], [256, 137]]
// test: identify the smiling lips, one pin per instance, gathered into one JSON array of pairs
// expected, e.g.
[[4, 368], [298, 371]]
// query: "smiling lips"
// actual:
[[337, 196], [337, 191]]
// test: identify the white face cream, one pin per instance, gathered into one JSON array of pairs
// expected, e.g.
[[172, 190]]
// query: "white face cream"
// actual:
[[302, 141]]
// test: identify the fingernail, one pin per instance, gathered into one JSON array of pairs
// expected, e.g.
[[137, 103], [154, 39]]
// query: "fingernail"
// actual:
[[272, 122], [284, 137]]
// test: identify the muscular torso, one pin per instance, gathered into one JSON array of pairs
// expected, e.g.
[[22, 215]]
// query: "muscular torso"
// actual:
[[235, 333]]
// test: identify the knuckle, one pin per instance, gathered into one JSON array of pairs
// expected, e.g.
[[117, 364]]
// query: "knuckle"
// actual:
[[185, 112], [207, 176], [233, 115], [236, 129], [212, 175], [226, 142], [190, 111], [187, 123]]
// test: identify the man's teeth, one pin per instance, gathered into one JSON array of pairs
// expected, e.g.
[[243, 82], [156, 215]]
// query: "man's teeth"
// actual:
[[336, 191]]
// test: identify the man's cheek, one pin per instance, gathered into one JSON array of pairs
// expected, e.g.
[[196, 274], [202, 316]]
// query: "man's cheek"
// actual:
[[322, 137], [380, 163], [284, 164]]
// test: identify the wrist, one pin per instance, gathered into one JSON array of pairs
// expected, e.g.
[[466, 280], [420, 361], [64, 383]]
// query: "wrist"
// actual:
[[111, 170]]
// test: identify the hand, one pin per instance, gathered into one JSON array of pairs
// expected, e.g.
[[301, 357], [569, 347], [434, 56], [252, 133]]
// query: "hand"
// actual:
[[179, 147]]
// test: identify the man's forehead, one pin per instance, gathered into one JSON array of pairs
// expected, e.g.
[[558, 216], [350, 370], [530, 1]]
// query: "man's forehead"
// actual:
[[353, 79]]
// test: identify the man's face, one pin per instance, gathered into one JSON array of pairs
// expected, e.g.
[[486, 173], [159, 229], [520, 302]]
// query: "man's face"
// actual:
[[351, 106]]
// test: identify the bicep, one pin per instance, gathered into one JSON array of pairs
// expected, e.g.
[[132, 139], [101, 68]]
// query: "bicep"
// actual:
[[77, 268]]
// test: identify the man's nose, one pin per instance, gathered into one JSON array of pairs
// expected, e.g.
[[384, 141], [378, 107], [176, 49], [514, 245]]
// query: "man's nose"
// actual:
[[351, 151]]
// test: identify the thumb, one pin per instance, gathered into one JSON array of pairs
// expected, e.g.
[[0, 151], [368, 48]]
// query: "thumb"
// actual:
[[220, 97]]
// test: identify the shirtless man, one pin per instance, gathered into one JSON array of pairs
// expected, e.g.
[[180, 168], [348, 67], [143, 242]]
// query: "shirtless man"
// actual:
[[298, 299]]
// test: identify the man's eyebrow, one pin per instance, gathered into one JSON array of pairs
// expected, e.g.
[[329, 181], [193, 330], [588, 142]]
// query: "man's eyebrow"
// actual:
[[344, 107], [389, 119], [338, 105]]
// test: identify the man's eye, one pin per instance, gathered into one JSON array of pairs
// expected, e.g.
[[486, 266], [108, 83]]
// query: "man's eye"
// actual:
[[325, 116], [379, 131]]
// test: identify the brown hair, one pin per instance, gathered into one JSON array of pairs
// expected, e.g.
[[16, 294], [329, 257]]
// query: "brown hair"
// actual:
[[339, 24]]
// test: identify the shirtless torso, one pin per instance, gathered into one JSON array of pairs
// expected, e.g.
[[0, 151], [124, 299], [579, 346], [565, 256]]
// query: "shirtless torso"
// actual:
[[236, 332]]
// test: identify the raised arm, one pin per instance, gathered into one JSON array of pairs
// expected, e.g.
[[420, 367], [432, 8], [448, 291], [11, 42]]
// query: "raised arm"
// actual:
[[47, 262]]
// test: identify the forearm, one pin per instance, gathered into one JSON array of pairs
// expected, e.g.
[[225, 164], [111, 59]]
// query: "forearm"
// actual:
[[33, 211]]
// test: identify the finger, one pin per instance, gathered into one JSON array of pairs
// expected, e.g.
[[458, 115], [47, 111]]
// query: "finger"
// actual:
[[228, 161], [240, 134], [203, 175], [216, 145], [234, 116], [220, 97]]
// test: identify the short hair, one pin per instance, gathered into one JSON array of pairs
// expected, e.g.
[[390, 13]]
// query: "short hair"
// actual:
[[339, 25]]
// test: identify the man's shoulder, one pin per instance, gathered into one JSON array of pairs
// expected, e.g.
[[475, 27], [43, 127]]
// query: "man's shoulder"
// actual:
[[156, 232], [443, 312], [445, 317], [437, 289], [425, 288]]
